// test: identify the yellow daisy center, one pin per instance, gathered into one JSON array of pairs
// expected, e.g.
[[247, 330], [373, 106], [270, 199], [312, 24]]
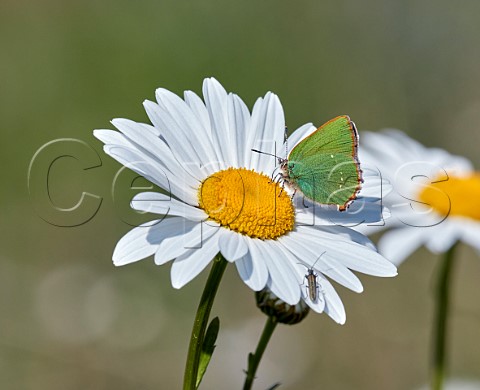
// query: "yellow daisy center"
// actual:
[[247, 202], [459, 196]]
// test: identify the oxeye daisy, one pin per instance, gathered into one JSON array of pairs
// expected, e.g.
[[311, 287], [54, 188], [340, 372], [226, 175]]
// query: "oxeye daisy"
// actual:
[[435, 197], [434, 202], [220, 198]]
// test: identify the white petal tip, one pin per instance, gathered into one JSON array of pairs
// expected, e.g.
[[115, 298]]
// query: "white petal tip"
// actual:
[[299, 299], [292, 302], [118, 262], [176, 285], [116, 121], [391, 272]]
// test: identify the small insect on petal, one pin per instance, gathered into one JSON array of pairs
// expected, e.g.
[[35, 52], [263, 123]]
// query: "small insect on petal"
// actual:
[[311, 277]]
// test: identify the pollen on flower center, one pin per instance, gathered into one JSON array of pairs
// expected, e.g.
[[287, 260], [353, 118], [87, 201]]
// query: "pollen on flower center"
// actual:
[[247, 202], [459, 196]]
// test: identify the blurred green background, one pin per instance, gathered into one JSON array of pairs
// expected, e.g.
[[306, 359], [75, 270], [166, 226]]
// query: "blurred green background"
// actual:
[[70, 320]]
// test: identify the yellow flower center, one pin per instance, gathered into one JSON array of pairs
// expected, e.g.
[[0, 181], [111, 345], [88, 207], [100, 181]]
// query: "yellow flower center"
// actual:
[[459, 196], [247, 202]]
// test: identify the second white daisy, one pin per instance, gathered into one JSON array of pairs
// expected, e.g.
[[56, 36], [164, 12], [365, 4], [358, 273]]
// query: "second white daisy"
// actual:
[[435, 201]]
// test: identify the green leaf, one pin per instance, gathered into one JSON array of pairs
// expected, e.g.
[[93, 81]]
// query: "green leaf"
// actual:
[[208, 347]]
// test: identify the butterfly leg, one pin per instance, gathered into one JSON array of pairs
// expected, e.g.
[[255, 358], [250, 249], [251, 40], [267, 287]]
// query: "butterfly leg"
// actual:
[[304, 205], [283, 188], [274, 175], [293, 195], [275, 178]]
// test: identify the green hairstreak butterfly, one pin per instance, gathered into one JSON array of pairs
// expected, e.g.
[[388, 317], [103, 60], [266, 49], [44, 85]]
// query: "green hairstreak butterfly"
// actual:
[[324, 166]]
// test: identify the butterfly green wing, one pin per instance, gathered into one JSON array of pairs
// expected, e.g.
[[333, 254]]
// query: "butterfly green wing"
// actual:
[[325, 167]]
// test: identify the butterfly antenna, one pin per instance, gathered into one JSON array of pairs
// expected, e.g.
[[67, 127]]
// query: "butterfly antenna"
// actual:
[[286, 141], [268, 154]]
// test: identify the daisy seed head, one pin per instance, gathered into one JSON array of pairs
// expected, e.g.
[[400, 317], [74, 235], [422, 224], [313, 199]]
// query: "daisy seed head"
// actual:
[[247, 202], [284, 313]]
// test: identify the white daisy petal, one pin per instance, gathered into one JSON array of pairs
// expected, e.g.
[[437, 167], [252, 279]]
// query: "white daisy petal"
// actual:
[[282, 281], [333, 304], [143, 240], [251, 268], [193, 236], [250, 275], [245, 270], [194, 261], [216, 103], [181, 145], [199, 110], [201, 113], [255, 137], [193, 130], [232, 245], [153, 147], [135, 159], [352, 255], [268, 126], [251, 133], [309, 252], [350, 234], [298, 135], [111, 137], [157, 203], [362, 259], [144, 166], [397, 244], [442, 237], [360, 213], [470, 232], [274, 134], [239, 123], [374, 185]]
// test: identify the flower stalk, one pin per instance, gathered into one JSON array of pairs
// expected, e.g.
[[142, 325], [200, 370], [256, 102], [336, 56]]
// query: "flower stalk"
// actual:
[[441, 319], [254, 359], [201, 322]]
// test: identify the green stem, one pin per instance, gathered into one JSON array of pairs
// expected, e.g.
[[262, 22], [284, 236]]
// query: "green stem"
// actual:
[[254, 359], [201, 322], [441, 319]]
